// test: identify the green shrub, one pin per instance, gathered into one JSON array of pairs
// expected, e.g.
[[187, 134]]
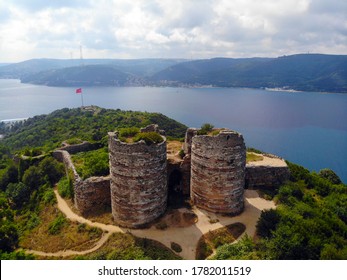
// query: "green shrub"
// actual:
[[330, 176], [92, 163], [51, 168], [176, 247], [205, 129], [18, 193], [244, 249], [181, 153], [33, 222], [56, 225], [49, 197], [74, 141], [33, 177], [267, 222], [149, 137], [203, 250], [65, 187], [128, 132]]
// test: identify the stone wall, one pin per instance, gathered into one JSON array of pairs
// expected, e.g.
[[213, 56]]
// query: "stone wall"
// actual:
[[64, 157], [266, 176], [138, 181], [73, 149], [90, 195], [93, 195], [190, 133], [218, 172]]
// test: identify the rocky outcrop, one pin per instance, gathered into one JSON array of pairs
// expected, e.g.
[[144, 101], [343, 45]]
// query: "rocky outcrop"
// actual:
[[138, 181], [218, 172]]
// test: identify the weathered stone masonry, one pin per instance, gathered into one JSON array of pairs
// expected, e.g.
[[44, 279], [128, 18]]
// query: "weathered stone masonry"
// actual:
[[266, 176], [218, 172], [213, 172], [138, 181], [90, 195]]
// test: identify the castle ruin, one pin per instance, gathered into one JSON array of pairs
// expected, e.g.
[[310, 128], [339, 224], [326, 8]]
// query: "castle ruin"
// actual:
[[138, 181], [143, 177], [218, 172]]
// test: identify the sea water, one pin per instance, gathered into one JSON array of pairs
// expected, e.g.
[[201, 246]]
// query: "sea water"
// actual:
[[307, 128]]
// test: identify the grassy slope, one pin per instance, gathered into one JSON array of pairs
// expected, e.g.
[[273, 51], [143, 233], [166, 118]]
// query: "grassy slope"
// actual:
[[50, 130]]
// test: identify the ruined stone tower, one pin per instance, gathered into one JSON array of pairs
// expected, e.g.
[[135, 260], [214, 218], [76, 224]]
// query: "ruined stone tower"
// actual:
[[138, 181], [218, 172]]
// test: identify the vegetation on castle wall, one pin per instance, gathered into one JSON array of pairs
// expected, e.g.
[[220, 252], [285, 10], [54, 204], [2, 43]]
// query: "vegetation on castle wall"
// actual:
[[148, 137], [92, 163], [205, 129]]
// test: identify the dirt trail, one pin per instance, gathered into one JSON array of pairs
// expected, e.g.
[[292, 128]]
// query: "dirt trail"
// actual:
[[187, 237], [67, 253]]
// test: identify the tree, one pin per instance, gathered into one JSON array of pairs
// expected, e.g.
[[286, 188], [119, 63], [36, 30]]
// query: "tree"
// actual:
[[10, 175], [330, 175], [8, 229], [267, 222], [51, 168], [33, 177], [18, 193]]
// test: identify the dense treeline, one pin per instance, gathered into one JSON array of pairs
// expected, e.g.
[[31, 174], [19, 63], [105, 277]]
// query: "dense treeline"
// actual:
[[26, 187], [48, 131], [310, 221]]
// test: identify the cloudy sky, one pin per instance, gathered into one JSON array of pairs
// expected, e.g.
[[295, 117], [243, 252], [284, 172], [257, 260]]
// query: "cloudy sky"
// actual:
[[170, 28]]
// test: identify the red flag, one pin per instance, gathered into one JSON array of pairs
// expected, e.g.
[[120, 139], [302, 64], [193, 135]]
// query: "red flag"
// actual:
[[79, 90]]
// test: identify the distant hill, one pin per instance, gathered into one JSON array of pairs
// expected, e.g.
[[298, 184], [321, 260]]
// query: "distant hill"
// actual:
[[90, 75], [303, 72], [140, 67], [306, 72]]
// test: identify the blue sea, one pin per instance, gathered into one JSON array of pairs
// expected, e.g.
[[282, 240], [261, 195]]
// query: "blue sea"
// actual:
[[307, 128]]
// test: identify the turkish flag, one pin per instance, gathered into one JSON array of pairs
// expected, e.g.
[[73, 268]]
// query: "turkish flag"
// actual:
[[79, 90]]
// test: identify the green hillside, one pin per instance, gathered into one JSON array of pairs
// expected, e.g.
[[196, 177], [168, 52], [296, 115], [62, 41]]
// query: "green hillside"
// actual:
[[305, 72], [50, 130]]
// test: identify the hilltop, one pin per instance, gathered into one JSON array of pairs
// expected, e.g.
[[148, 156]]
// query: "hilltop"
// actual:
[[302, 72], [91, 124]]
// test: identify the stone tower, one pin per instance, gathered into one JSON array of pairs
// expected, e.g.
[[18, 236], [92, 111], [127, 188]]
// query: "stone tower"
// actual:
[[218, 172], [138, 181]]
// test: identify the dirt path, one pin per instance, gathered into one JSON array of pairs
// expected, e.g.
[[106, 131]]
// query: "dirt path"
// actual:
[[67, 253], [187, 237]]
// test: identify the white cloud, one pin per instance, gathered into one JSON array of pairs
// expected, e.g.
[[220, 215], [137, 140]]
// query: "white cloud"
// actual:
[[166, 28]]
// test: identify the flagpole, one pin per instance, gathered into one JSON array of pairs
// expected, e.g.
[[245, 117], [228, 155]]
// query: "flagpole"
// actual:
[[79, 91], [82, 99]]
